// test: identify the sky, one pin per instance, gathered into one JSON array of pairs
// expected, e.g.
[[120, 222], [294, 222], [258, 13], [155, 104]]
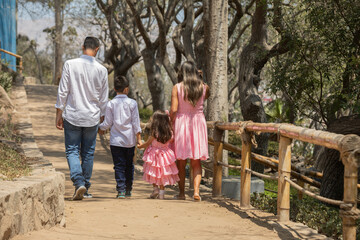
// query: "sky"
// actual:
[[33, 18], [32, 21]]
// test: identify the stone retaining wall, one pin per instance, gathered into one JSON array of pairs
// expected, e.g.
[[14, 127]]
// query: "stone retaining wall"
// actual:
[[33, 202]]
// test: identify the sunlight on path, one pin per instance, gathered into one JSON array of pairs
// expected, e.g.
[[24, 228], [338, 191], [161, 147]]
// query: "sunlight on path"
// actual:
[[105, 217]]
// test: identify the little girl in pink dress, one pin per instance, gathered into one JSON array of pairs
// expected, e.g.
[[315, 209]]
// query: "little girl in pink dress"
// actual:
[[159, 160]]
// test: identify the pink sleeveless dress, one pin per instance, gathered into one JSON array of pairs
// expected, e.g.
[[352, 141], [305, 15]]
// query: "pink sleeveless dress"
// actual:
[[159, 164], [191, 141]]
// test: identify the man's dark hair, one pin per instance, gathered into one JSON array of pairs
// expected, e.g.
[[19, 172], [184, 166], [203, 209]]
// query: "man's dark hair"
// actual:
[[120, 83], [91, 42]]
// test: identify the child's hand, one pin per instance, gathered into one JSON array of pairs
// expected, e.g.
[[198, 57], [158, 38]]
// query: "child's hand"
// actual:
[[140, 144], [101, 132]]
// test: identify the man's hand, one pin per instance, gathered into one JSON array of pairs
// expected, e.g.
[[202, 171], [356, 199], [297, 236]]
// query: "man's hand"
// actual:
[[139, 143], [59, 122], [101, 132]]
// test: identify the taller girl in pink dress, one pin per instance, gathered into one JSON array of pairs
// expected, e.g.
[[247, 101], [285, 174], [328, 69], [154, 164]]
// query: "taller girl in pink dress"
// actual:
[[191, 142]]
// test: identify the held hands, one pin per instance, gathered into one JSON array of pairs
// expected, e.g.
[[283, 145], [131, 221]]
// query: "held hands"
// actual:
[[101, 132], [140, 144]]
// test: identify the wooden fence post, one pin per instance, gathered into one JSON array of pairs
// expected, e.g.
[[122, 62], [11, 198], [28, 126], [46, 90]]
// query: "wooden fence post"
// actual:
[[350, 156], [245, 183], [218, 152], [300, 194], [20, 65], [283, 200]]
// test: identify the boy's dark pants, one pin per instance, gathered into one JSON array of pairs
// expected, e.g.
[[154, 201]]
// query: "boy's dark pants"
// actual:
[[124, 167]]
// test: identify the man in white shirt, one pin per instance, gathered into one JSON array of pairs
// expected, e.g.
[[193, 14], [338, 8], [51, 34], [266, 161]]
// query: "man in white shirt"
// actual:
[[81, 102]]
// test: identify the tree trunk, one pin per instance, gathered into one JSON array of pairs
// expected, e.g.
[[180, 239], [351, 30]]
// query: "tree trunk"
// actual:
[[155, 83], [129, 76], [132, 84], [39, 66], [59, 21], [332, 185], [251, 64], [216, 42]]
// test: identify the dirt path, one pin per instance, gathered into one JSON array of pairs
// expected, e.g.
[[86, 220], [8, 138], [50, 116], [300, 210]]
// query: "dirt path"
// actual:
[[105, 217]]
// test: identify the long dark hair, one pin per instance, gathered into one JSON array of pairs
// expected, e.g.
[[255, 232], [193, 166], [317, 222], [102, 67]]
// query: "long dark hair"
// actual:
[[193, 85], [160, 127]]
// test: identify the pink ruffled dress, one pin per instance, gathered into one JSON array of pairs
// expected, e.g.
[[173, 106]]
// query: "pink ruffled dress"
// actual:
[[159, 164], [191, 140]]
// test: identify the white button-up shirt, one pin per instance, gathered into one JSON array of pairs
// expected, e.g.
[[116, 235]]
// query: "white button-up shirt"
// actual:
[[122, 115], [83, 91]]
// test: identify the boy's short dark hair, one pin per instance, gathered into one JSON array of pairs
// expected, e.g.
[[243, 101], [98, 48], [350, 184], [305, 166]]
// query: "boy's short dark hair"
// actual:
[[91, 42], [120, 83]]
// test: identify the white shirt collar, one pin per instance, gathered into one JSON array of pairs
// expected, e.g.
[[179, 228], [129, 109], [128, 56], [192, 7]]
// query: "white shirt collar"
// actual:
[[121, 96], [88, 57]]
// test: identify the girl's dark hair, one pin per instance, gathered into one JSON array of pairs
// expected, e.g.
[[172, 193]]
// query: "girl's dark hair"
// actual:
[[191, 79], [161, 127]]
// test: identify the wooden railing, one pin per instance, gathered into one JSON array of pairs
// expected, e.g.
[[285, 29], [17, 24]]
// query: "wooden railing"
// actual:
[[347, 145], [17, 56]]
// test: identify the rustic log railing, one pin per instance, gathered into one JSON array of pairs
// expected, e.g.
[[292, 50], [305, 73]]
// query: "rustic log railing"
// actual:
[[347, 145], [17, 56]]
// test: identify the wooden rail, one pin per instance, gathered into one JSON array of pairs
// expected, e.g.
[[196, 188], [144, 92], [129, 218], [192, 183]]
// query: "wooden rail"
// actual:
[[347, 145], [273, 163], [17, 56]]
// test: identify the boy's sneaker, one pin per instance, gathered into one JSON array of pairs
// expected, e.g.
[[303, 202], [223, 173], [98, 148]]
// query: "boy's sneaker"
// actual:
[[87, 194], [79, 193], [120, 195], [128, 194]]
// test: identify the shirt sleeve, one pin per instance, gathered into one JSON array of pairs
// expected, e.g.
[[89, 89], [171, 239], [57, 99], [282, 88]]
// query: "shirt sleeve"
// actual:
[[109, 117], [104, 95], [135, 119], [64, 86]]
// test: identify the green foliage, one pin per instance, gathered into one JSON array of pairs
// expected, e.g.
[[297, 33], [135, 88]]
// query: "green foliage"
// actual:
[[6, 80], [273, 148], [234, 138], [318, 216], [236, 162], [145, 114], [264, 202], [277, 112], [320, 74], [323, 218]]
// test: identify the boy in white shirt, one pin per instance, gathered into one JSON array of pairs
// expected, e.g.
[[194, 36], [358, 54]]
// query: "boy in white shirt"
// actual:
[[122, 116]]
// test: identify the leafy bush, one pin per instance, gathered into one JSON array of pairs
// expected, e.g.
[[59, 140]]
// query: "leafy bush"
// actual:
[[233, 161], [313, 213], [6, 80], [234, 138], [273, 148], [145, 114]]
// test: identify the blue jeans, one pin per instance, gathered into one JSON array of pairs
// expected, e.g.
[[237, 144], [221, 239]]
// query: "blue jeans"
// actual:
[[124, 167], [80, 142]]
